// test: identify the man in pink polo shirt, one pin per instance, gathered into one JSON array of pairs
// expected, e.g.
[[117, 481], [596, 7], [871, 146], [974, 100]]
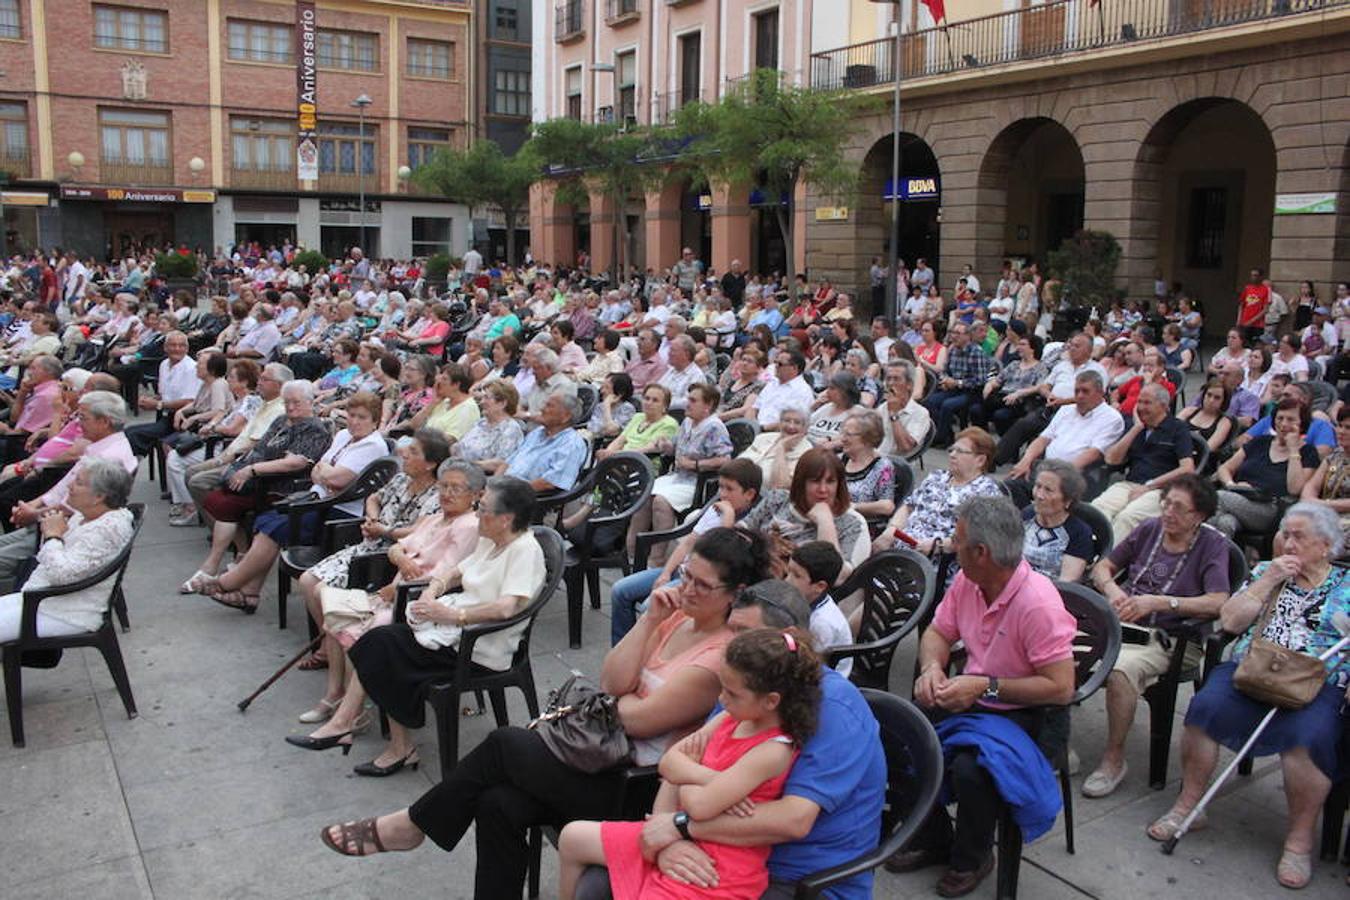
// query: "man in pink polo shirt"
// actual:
[[1019, 665], [33, 405]]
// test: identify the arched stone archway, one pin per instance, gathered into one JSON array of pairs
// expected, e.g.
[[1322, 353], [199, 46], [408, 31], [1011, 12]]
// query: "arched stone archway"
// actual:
[[1029, 192], [920, 202], [1204, 195]]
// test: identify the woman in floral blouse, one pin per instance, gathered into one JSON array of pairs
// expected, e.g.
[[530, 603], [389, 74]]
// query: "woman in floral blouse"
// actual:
[[496, 434], [391, 513], [929, 515]]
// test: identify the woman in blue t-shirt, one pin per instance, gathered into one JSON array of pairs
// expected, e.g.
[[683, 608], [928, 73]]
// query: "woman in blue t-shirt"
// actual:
[[1057, 544]]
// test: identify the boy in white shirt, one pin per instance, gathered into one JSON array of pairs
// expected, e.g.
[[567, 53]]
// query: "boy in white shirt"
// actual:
[[813, 569]]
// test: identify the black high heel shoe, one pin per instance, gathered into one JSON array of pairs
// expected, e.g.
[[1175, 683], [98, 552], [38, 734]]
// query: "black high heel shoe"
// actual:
[[305, 742], [373, 770]]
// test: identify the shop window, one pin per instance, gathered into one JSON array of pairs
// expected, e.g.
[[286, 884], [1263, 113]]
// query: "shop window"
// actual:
[[430, 235]]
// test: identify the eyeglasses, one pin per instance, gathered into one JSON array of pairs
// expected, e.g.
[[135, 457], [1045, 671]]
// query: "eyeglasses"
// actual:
[[1177, 507], [966, 451], [698, 585]]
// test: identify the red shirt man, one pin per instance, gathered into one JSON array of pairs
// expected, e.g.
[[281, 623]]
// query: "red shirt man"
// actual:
[[1252, 302]]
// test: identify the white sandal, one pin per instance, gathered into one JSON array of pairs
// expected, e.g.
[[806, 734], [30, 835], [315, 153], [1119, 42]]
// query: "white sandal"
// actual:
[[193, 584], [321, 713]]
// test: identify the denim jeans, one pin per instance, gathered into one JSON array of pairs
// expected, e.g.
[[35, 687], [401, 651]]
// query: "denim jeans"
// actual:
[[628, 599]]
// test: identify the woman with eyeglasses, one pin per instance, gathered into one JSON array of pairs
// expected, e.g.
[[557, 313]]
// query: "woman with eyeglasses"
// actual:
[[665, 676], [929, 515], [390, 514]]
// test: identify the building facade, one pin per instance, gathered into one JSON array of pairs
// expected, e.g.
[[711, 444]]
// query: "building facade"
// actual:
[[1209, 136], [505, 29], [639, 61], [140, 122]]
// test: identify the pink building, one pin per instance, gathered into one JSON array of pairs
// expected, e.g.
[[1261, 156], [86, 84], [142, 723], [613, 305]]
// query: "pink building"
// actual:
[[639, 61]]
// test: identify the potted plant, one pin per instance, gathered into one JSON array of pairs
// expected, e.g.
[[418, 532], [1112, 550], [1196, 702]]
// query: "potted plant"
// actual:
[[178, 270], [1085, 266]]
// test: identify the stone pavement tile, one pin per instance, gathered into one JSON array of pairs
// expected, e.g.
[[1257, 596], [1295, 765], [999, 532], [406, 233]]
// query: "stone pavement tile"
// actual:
[[251, 794], [285, 858], [60, 720], [61, 809], [119, 879], [1033, 883], [1234, 857]]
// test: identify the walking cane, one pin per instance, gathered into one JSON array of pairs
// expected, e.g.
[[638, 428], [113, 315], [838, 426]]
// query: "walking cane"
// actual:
[[309, 648], [1341, 622]]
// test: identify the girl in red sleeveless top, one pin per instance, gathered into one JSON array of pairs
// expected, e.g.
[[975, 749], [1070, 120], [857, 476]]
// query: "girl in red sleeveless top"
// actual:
[[742, 756]]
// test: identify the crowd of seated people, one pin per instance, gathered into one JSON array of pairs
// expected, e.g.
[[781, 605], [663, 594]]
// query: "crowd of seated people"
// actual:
[[505, 386]]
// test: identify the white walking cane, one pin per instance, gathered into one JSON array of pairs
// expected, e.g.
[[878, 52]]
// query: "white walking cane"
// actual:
[[1341, 622]]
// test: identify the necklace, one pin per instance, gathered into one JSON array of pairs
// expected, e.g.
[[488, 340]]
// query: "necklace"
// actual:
[[1158, 570]]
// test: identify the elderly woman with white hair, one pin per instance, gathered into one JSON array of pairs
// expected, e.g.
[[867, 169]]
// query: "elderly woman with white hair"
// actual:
[[1291, 601], [279, 463], [74, 546]]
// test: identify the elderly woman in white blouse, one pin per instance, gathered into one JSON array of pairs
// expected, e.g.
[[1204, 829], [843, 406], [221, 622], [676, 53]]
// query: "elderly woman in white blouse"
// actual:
[[75, 547]]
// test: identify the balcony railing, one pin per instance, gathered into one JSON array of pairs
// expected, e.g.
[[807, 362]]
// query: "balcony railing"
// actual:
[[349, 183], [1037, 32], [264, 179], [668, 104], [618, 12], [569, 20], [15, 162], [133, 174]]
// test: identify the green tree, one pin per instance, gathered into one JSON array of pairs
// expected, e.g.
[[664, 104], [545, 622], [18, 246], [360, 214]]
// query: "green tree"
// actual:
[[614, 159], [1086, 264], [483, 176], [768, 133]]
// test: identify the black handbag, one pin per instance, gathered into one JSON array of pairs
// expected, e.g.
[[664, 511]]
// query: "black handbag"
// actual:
[[581, 727]]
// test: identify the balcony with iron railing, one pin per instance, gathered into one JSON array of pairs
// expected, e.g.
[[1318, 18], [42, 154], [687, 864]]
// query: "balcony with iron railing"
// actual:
[[670, 103], [1040, 32], [264, 179], [569, 21], [348, 182], [134, 174], [620, 12], [15, 162]]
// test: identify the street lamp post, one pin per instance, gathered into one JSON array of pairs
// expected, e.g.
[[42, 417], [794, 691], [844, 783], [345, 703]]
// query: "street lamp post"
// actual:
[[893, 268], [361, 103]]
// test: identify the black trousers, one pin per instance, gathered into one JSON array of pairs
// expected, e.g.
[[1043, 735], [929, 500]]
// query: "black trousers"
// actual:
[[308, 365], [1021, 433], [970, 840], [30, 488], [503, 787], [143, 438]]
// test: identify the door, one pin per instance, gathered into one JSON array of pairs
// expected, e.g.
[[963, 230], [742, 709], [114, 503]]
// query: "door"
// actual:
[[135, 232]]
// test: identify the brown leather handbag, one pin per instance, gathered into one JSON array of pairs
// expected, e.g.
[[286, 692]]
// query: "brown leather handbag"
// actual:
[[1276, 675]]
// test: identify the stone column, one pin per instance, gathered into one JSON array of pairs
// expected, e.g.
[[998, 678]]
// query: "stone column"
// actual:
[[730, 227], [552, 226], [602, 231], [662, 223]]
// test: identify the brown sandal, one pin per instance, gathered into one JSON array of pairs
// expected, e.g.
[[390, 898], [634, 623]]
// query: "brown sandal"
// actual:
[[237, 600], [313, 662], [354, 838]]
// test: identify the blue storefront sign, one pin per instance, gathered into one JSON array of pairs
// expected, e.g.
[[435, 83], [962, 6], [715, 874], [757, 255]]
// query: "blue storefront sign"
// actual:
[[918, 188]]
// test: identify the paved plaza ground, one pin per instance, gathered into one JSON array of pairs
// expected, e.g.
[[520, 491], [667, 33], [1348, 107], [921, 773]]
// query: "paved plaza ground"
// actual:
[[194, 800]]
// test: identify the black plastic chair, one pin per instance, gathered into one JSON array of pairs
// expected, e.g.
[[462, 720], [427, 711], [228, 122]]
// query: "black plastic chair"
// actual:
[[742, 433], [622, 484], [1095, 649], [901, 488], [916, 455], [1162, 695], [637, 791], [1103, 538], [444, 696], [1178, 379], [646, 540], [914, 772], [1201, 453], [105, 638], [295, 559], [898, 588], [587, 395]]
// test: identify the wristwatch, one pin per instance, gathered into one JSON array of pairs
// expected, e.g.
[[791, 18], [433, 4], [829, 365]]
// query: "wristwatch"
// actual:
[[991, 692], [1174, 602], [681, 821]]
